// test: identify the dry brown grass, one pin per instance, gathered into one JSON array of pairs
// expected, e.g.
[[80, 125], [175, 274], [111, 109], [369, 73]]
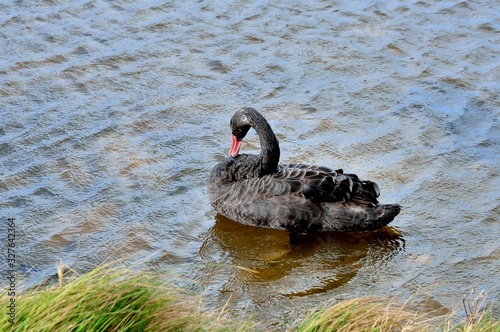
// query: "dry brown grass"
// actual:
[[382, 314]]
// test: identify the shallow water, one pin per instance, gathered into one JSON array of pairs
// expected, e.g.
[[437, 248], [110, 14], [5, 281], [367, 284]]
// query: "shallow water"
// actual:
[[114, 113]]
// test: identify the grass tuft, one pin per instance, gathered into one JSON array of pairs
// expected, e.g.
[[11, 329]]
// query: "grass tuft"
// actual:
[[113, 299], [119, 299], [379, 314]]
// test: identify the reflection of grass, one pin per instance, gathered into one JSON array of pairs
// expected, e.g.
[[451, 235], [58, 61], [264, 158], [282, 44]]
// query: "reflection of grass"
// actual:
[[115, 299]]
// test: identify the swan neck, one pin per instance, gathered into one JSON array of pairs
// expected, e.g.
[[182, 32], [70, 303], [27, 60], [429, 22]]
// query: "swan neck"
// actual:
[[269, 146]]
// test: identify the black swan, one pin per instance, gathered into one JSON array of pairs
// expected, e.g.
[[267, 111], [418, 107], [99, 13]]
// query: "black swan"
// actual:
[[256, 190]]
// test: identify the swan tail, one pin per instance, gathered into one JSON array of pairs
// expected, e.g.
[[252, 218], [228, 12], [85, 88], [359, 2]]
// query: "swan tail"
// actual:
[[384, 214], [355, 218]]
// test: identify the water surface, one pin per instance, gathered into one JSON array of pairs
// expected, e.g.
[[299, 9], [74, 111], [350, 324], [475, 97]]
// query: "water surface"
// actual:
[[114, 113]]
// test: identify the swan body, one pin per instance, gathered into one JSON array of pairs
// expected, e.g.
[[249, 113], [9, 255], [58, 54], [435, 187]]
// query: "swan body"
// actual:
[[258, 191]]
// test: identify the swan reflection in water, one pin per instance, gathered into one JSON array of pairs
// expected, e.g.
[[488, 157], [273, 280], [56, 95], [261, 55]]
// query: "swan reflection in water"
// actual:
[[257, 264]]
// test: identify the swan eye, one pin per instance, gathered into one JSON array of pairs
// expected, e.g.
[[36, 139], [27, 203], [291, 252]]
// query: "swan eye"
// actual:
[[241, 132]]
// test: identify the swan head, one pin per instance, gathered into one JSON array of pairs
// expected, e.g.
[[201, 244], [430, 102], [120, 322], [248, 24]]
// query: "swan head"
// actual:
[[241, 122], [240, 125]]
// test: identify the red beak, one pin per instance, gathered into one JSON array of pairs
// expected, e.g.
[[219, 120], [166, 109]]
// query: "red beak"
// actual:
[[235, 147]]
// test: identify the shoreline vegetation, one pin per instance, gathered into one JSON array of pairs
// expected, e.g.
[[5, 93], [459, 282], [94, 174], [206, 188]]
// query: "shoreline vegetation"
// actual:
[[119, 299]]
